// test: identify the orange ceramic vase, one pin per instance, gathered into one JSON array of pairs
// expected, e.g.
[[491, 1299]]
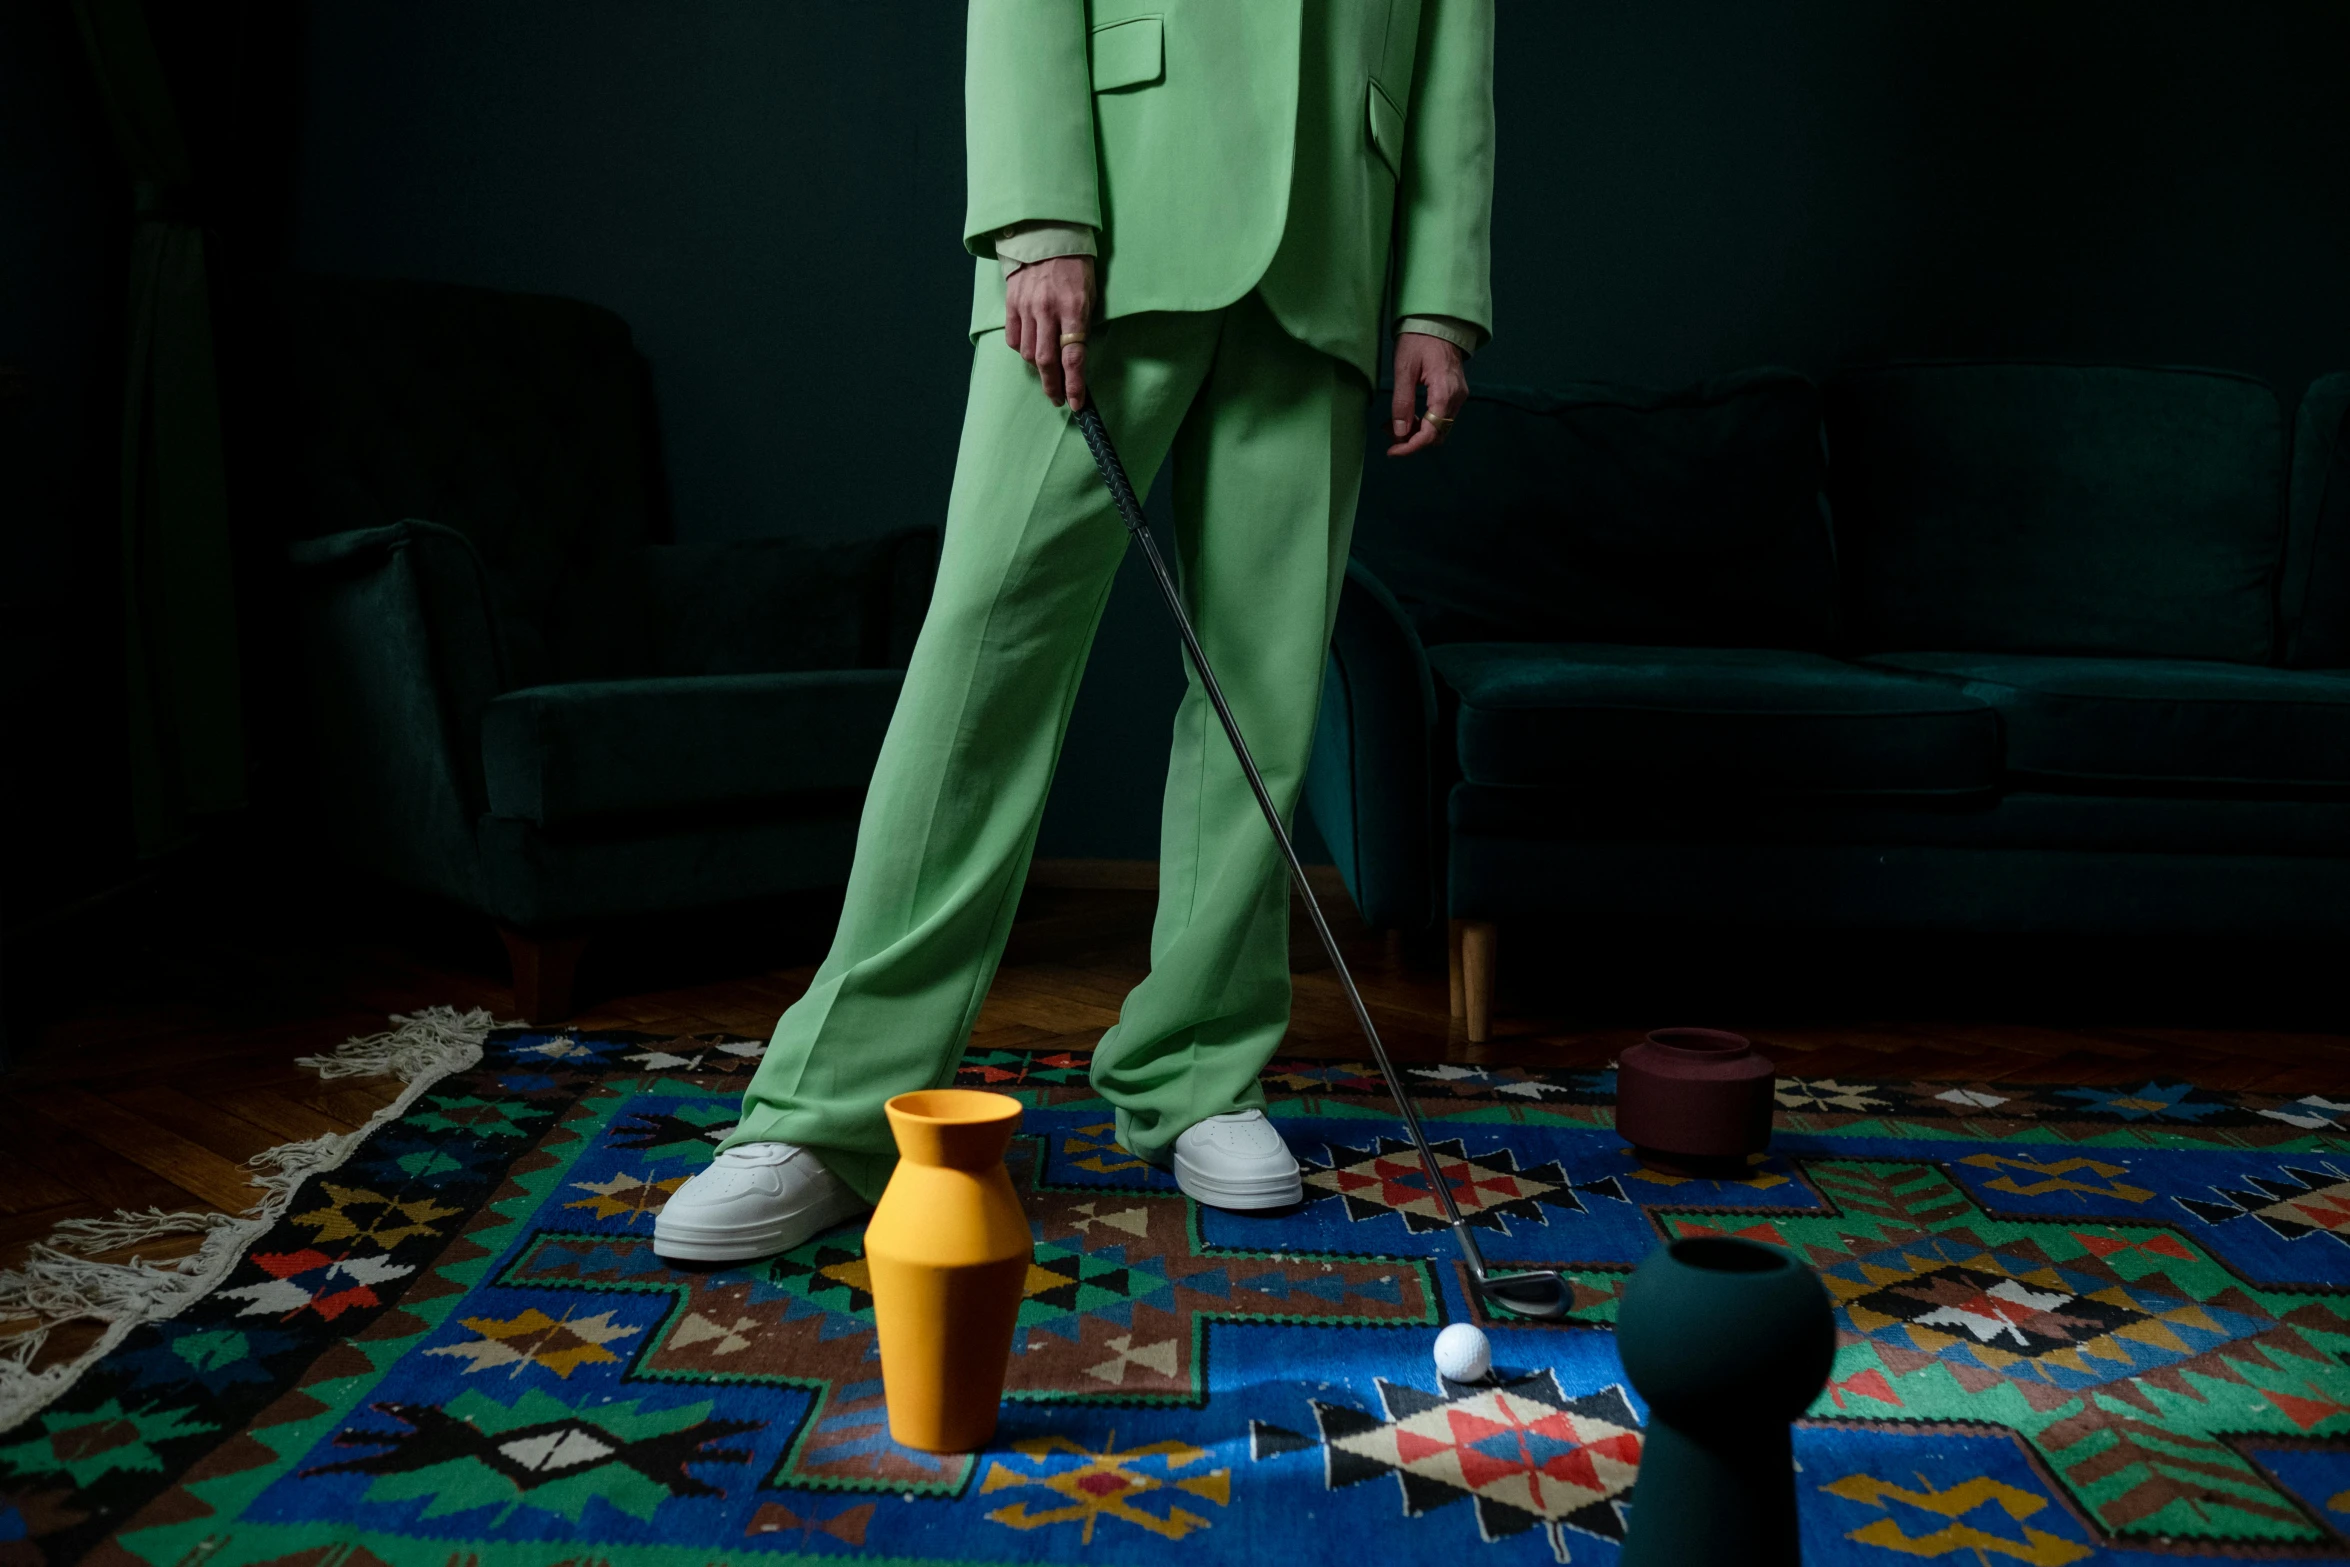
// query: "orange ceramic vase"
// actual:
[[948, 1252]]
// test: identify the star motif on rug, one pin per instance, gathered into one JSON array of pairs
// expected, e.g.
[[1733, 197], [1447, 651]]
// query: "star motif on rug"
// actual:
[[560, 1047], [561, 1345], [85, 1446], [726, 1055], [1972, 1098], [310, 1280], [2311, 1113], [1526, 1454], [1388, 1178], [666, 1134], [213, 1358], [2293, 1203], [1108, 1484], [2156, 1101], [356, 1213], [627, 1194], [400, 1156], [478, 1116], [1514, 1082], [1825, 1093]]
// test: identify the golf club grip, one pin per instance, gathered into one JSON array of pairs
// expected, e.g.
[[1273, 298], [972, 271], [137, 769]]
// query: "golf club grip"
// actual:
[[1105, 457]]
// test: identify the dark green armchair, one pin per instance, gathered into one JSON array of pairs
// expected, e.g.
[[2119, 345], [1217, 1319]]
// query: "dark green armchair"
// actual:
[[522, 700]]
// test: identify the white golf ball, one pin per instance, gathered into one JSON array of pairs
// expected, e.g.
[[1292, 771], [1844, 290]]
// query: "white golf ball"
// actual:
[[1462, 1355]]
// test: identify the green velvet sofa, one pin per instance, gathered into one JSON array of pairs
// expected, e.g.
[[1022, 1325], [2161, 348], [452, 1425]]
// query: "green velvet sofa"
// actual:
[[1966, 647], [521, 699]]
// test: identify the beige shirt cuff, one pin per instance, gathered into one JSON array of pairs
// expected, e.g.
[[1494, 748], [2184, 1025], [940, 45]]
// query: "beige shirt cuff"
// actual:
[[1021, 243], [1466, 336]]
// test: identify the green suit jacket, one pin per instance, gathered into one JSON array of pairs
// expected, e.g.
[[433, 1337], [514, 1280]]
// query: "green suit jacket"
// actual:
[[1221, 146]]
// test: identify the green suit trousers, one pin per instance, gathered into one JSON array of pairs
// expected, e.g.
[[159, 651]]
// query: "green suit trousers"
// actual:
[[1266, 435]]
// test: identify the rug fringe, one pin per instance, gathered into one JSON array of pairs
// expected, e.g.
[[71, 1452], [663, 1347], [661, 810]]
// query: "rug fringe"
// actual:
[[56, 1286]]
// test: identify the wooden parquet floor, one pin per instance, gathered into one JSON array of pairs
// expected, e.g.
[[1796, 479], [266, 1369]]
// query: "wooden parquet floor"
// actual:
[[147, 1074]]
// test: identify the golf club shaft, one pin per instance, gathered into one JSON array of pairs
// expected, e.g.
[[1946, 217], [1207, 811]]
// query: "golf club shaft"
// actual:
[[1105, 456]]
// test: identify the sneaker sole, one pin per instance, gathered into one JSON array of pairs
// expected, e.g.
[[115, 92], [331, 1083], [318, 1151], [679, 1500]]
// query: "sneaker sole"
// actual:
[[1239, 1196], [692, 1243]]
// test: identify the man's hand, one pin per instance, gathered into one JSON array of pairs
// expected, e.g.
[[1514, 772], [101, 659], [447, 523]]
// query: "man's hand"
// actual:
[[1043, 301], [1421, 360]]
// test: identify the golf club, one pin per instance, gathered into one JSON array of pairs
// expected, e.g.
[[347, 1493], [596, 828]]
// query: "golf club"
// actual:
[[1535, 1294]]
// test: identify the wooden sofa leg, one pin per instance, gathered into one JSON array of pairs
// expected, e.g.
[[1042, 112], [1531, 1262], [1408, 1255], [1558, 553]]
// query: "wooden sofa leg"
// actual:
[[544, 968], [1452, 966], [1478, 938]]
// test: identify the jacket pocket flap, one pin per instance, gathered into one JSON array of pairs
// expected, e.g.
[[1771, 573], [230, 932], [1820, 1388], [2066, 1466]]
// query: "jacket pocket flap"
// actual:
[[1386, 122], [1128, 54]]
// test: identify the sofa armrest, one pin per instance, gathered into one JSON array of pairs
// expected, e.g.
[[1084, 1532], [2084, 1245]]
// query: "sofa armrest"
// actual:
[[403, 649], [1372, 783], [2316, 590]]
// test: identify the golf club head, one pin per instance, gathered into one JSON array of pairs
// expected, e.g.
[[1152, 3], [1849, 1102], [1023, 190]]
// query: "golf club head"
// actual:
[[1543, 1295]]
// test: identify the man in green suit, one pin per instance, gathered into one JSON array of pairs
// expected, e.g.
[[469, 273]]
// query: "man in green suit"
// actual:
[[1187, 210]]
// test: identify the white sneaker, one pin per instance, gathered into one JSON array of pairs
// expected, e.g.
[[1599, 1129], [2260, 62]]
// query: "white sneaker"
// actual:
[[753, 1201], [1237, 1161]]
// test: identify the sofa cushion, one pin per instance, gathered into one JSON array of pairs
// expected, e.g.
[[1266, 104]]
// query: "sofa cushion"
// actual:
[[2160, 722], [1743, 721], [2067, 821], [1612, 514], [2317, 554], [2059, 509], [559, 755]]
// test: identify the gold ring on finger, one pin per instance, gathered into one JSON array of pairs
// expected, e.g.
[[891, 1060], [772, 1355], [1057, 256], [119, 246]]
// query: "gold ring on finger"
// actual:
[[1071, 337]]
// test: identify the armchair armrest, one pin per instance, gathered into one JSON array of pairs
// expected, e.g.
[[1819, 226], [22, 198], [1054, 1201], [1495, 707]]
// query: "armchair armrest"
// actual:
[[403, 650], [1372, 784]]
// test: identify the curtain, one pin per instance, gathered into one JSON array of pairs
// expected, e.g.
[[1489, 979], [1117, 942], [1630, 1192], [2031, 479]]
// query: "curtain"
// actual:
[[187, 744]]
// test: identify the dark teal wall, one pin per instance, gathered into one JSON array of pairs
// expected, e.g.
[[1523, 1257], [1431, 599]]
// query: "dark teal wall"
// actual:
[[770, 191], [1690, 185]]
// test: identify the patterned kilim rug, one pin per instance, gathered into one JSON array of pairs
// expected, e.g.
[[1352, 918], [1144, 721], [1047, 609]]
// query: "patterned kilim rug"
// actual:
[[2077, 1325]]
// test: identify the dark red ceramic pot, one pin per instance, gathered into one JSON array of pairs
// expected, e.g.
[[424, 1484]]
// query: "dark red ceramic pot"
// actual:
[[1694, 1101]]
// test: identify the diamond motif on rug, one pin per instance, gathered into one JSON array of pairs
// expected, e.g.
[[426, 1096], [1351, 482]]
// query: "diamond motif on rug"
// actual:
[[1526, 1454], [1388, 1178], [1109, 1484], [2009, 1312], [1981, 1518], [475, 1452]]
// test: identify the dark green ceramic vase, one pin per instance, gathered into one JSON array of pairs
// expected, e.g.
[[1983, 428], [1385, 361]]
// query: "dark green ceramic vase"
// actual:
[[1728, 1341]]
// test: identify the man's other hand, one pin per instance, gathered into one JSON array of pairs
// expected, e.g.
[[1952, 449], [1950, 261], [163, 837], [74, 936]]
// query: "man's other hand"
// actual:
[[1431, 362], [1043, 301]]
